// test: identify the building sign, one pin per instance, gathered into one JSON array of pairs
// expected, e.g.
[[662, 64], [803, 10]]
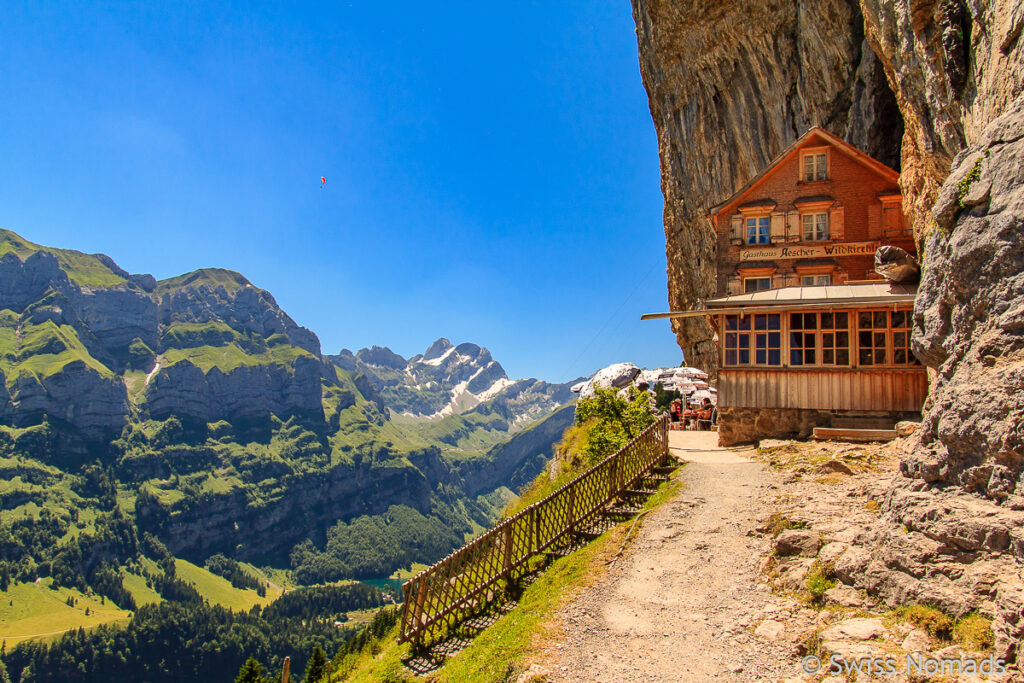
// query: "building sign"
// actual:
[[825, 250]]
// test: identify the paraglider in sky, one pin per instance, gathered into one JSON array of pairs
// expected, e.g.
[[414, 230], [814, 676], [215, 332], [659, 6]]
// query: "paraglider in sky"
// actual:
[[323, 181]]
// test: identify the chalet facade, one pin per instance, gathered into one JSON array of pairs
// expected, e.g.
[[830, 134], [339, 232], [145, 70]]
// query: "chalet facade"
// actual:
[[814, 216], [808, 334]]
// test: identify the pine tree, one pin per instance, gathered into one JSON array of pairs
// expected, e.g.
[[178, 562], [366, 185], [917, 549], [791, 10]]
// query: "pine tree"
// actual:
[[252, 672], [4, 678], [316, 666]]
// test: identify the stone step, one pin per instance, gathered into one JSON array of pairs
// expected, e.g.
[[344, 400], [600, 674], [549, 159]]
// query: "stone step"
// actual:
[[857, 435]]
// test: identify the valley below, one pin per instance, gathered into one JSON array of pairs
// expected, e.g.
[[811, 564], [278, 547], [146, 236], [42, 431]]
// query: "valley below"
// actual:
[[183, 442]]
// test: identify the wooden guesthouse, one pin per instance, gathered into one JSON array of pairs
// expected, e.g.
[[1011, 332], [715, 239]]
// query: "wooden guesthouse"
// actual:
[[796, 358], [808, 334]]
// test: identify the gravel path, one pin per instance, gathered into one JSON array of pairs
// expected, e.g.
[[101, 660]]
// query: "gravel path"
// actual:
[[681, 602]]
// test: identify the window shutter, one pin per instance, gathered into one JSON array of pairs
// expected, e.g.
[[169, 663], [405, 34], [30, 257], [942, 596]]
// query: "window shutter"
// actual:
[[836, 229], [874, 220], [778, 281], [778, 228], [736, 225], [733, 285], [793, 226]]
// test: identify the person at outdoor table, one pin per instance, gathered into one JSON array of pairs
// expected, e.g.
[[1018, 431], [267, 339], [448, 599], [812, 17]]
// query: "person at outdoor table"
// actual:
[[676, 410], [706, 411], [690, 414]]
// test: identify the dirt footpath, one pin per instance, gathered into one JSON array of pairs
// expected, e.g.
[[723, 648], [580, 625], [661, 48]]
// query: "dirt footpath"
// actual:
[[679, 605]]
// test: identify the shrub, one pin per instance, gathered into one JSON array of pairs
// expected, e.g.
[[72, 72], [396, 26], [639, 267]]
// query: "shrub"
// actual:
[[778, 522], [930, 619], [819, 580], [974, 632]]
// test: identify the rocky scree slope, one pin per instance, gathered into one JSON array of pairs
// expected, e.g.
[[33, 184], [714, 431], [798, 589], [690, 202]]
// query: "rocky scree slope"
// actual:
[[722, 108], [220, 422]]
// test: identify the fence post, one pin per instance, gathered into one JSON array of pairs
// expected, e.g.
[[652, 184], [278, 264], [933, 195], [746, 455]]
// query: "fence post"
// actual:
[[571, 512], [508, 550]]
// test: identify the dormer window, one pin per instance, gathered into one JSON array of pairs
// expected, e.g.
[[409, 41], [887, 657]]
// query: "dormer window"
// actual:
[[815, 166]]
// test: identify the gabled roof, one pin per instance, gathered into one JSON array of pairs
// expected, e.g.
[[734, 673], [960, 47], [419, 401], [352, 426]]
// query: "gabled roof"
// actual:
[[819, 133]]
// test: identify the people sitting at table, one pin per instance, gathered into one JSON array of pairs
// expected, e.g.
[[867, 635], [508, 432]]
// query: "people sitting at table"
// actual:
[[705, 414]]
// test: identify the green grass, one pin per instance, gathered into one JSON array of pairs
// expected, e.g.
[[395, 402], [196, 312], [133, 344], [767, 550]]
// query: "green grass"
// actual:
[[34, 611], [231, 356], [141, 593], [44, 350], [219, 590], [210, 277], [83, 269], [974, 632]]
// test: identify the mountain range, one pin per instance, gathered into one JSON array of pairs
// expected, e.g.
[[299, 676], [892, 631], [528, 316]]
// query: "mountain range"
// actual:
[[221, 427]]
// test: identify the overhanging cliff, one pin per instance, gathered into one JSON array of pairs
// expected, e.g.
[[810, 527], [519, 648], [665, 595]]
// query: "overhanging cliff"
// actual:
[[730, 86]]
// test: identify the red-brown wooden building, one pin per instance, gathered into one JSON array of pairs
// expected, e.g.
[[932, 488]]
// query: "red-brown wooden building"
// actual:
[[809, 336], [814, 216]]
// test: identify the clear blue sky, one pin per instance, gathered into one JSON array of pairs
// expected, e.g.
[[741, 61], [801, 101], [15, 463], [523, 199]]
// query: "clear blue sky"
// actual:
[[492, 169]]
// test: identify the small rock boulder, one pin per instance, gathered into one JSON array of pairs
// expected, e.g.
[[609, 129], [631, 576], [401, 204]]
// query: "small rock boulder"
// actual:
[[906, 427], [844, 596], [855, 629], [769, 629], [831, 552], [917, 641], [832, 467], [797, 542]]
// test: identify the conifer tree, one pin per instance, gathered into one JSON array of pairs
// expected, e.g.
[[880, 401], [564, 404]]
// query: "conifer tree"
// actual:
[[316, 666], [252, 672]]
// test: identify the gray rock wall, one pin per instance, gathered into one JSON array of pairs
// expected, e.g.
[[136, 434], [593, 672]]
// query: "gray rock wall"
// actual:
[[730, 86]]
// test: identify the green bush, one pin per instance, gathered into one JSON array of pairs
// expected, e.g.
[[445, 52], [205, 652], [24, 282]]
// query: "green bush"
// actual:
[[974, 632], [819, 580], [611, 421]]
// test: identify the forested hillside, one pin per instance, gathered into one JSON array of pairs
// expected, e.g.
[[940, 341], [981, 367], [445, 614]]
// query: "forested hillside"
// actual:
[[149, 428]]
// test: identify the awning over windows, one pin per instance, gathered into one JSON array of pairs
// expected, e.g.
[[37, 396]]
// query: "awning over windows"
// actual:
[[855, 295]]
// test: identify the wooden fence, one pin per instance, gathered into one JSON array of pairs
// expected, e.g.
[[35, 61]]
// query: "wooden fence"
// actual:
[[457, 586]]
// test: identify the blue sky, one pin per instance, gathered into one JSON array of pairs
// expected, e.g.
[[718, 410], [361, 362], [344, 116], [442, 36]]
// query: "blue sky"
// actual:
[[492, 168]]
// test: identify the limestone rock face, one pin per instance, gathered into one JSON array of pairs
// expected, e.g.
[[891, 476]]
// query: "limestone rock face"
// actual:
[[730, 86], [955, 66], [254, 391], [969, 319]]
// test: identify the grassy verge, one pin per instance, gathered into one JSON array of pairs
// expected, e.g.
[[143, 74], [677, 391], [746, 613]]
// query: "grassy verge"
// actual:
[[504, 649]]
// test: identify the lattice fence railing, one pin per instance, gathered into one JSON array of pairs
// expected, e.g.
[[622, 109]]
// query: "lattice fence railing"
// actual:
[[457, 586]]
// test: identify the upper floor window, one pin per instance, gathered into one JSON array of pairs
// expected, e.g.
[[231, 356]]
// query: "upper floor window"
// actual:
[[815, 166], [815, 280], [756, 284], [759, 230], [815, 227]]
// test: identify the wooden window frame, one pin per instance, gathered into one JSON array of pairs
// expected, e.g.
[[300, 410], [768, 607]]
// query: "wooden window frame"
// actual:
[[814, 214], [756, 277], [814, 277], [890, 333], [818, 334], [813, 152], [759, 219], [853, 329], [747, 327]]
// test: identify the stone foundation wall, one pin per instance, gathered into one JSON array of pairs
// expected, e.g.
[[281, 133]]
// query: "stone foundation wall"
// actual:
[[750, 425]]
